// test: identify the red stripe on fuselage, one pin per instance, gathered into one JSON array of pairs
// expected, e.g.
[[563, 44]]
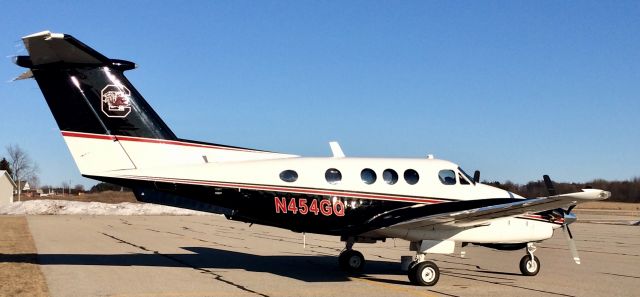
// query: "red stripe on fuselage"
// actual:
[[88, 135], [153, 140], [536, 217]]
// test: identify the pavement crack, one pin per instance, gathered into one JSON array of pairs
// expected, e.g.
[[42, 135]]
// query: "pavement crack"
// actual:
[[167, 232], [216, 276]]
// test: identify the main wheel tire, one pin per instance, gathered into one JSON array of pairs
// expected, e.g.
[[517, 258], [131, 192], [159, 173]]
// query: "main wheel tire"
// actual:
[[351, 261], [424, 274], [528, 266], [412, 274]]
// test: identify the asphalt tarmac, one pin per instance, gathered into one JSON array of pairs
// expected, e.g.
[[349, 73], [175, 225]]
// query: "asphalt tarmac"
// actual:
[[211, 256]]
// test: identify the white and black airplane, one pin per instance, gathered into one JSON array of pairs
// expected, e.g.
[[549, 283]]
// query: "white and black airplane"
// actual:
[[115, 136]]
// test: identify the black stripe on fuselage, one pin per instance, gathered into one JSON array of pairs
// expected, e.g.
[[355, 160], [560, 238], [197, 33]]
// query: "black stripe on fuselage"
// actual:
[[257, 206]]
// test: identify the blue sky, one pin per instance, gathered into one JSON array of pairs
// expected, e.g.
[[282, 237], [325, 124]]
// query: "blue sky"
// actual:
[[516, 89]]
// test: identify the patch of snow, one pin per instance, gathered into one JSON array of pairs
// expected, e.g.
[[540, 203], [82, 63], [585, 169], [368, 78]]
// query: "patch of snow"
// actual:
[[64, 207]]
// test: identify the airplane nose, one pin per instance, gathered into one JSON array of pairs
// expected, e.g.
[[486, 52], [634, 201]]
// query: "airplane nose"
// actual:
[[570, 218]]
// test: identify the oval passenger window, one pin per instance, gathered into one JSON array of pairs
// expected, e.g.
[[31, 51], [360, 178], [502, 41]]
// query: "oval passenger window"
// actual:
[[390, 176], [368, 176], [411, 176], [289, 176], [333, 176]]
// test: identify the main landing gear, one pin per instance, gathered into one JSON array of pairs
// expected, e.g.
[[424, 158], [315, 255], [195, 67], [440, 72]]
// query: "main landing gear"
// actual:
[[420, 271], [529, 264], [351, 260]]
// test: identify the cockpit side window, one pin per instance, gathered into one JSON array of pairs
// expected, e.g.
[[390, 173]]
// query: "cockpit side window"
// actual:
[[463, 181], [447, 177], [469, 178]]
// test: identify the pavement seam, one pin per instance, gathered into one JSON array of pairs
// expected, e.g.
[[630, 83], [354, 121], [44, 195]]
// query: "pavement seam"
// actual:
[[217, 277]]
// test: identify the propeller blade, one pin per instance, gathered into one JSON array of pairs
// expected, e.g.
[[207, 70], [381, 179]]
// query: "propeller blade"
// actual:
[[476, 176], [571, 243], [550, 189]]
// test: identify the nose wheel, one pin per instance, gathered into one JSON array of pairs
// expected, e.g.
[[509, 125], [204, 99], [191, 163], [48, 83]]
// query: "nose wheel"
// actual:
[[424, 273], [529, 264]]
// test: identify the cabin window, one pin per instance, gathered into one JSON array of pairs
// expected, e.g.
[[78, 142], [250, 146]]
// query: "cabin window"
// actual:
[[411, 176], [333, 176], [289, 176], [390, 176], [368, 176], [447, 177]]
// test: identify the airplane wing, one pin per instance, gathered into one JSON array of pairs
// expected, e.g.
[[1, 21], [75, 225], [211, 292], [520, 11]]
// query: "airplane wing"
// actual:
[[477, 212]]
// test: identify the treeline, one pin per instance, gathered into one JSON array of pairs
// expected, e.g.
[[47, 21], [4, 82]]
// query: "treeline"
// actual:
[[101, 187], [621, 191]]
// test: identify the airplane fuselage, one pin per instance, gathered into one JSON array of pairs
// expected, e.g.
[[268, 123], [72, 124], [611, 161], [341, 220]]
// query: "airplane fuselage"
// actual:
[[338, 196]]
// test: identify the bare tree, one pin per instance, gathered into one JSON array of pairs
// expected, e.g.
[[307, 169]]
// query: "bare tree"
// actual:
[[22, 167], [78, 188], [34, 182], [65, 187]]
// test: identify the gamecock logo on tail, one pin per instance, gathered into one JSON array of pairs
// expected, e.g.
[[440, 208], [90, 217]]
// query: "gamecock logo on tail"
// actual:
[[116, 101]]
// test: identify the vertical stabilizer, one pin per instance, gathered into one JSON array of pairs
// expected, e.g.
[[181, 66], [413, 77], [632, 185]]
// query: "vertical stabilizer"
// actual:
[[92, 101]]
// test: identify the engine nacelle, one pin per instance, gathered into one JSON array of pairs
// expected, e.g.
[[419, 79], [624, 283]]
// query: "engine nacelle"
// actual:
[[499, 231]]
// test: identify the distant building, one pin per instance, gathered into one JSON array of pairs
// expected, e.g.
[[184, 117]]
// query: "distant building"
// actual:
[[7, 187], [23, 185]]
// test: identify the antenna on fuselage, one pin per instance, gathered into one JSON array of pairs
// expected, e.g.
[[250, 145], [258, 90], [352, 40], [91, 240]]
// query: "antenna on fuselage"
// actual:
[[336, 150]]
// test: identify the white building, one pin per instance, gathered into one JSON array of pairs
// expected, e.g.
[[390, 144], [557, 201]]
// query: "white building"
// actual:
[[7, 186]]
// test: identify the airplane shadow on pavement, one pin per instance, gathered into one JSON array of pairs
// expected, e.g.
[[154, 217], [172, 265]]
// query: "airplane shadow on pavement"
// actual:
[[301, 267]]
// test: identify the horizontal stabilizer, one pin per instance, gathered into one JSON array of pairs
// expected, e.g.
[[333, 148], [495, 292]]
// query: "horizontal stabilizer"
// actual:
[[48, 48], [26, 75]]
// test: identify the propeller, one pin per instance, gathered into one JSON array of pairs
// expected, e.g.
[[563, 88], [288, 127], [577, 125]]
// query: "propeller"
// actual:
[[568, 218], [476, 176], [569, 237]]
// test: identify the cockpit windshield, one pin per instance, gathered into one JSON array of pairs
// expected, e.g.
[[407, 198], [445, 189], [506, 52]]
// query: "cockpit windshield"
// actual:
[[467, 176]]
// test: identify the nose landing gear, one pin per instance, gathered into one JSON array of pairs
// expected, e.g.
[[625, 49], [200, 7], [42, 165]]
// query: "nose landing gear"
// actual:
[[530, 264]]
